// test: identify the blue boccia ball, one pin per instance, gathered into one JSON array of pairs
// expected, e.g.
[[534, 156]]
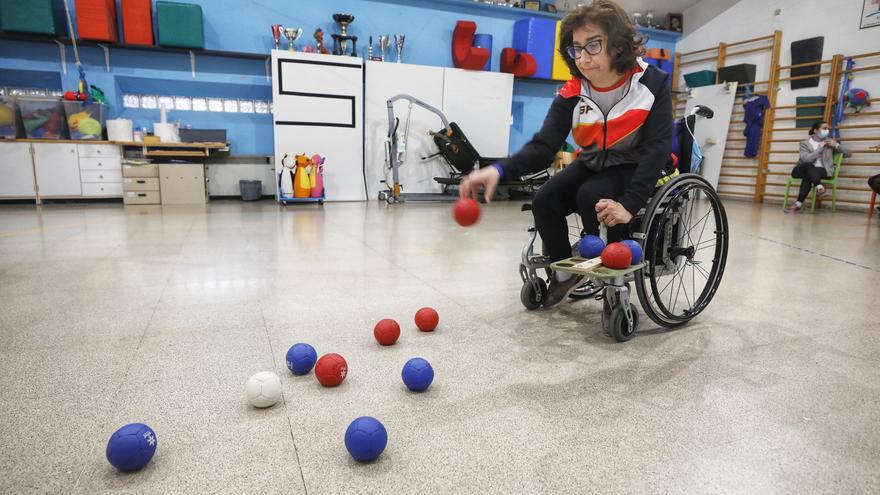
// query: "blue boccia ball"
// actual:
[[591, 246], [417, 374], [301, 358], [365, 439], [636, 249], [131, 447]]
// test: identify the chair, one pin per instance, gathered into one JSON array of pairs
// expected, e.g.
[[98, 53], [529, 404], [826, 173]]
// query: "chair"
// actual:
[[832, 182], [871, 205]]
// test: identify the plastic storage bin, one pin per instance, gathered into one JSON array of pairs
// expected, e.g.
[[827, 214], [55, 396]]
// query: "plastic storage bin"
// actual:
[[42, 117], [700, 78], [10, 120], [85, 121]]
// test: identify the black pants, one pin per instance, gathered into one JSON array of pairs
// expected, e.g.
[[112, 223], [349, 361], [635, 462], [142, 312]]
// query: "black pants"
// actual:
[[874, 183], [577, 189], [810, 176]]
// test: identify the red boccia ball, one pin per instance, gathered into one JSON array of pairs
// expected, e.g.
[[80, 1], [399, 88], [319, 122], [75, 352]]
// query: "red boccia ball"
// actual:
[[427, 319], [386, 332], [466, 212], [330, 370], [616, 255]]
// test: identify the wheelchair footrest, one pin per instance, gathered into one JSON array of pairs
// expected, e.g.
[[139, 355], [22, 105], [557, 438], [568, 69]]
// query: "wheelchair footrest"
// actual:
[[592, 268]]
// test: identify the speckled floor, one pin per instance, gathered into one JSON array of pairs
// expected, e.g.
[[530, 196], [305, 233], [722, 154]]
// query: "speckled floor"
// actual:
[[110, 315]]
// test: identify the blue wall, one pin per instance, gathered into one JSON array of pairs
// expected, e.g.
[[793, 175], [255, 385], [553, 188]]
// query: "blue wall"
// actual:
[[244, 26]]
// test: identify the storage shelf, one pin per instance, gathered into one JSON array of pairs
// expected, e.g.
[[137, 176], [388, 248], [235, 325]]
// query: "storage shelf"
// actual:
[[471, 6], [143, 48]]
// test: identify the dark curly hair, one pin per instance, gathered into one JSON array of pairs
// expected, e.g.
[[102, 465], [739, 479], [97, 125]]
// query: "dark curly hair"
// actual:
[[623, 43]]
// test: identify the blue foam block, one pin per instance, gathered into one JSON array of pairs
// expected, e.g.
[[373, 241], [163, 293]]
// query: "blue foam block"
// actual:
[[484, 41], [535, 36]]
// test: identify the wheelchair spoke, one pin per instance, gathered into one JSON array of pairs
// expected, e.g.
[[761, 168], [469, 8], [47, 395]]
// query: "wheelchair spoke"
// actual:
[[701, 270], [705, 220], [681, 281]]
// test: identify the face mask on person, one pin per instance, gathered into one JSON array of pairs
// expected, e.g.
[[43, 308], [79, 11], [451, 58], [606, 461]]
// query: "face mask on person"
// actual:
[[823, 133]]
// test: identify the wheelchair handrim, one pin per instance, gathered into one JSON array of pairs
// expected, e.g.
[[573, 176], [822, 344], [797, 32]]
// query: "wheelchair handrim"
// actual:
[[652, 302]]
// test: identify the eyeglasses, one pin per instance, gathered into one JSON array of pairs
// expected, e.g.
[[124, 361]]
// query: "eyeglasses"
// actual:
[[593, 47]]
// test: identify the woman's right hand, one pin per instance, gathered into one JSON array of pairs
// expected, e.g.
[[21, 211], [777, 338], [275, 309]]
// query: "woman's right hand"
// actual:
[[488, 177]]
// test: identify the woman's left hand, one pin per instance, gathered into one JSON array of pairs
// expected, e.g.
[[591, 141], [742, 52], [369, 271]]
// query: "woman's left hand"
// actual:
[[612, 213]]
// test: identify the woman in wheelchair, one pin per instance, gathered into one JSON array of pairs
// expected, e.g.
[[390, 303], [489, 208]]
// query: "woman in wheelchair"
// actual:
[[619, 112]]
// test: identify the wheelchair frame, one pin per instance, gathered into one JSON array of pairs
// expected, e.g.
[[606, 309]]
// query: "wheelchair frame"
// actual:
[[615, 286]]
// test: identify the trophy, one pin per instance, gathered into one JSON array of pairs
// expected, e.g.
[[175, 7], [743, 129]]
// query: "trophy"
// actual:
[[340, 41], [384, 42], [319, 41], [276, 34], [292, 34], [398, 42]]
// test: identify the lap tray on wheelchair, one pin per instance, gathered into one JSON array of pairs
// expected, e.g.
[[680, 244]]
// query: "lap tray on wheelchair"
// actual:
[[592, 268]]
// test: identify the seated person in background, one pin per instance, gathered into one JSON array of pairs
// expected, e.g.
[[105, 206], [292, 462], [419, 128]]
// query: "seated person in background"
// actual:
[[815, 162]]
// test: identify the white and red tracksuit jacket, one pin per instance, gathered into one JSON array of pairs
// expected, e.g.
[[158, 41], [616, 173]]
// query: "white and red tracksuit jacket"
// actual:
[[637, 130]]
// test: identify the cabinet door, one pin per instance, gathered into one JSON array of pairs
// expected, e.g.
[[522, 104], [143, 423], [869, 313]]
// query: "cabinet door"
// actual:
[[481, 103], [57, 169], [16, 171]]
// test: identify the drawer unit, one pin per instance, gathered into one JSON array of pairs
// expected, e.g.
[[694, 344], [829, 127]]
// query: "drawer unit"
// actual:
[[98, 150], [141, 198], [149, 170], [140, 184], [100, 176], [182, 184], [102, 189], [108, 163]]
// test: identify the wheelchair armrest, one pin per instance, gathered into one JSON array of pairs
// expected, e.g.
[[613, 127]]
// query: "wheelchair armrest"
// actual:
[[526, 207]]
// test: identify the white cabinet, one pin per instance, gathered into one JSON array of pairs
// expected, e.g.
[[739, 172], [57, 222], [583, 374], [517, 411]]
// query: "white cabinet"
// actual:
[[318, 109], [57, 167], [479, 102], [100, 167], [383, 81], [16, 171]]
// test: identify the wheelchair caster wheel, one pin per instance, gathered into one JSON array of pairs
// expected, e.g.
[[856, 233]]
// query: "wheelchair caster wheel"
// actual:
[[619, 326], [532, 297], [383, 196]]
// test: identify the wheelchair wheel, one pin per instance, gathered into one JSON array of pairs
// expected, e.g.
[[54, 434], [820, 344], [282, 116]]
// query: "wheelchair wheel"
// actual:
[[686, 241], [532, 297], [618, 325]]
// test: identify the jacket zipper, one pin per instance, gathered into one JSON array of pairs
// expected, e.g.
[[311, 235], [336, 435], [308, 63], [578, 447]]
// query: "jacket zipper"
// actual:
[[605, 119]]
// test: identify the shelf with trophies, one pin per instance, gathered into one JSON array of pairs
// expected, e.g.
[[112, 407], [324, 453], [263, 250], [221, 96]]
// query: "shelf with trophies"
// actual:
[[318, 112]]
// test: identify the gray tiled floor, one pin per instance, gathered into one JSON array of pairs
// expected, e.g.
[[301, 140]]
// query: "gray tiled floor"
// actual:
[[110, 315]]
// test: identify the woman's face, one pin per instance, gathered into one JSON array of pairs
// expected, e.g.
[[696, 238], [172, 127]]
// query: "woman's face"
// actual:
[[592, 66], [822, 127]]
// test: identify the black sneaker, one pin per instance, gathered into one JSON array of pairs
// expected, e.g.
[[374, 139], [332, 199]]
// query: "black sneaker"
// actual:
[[557, 291]]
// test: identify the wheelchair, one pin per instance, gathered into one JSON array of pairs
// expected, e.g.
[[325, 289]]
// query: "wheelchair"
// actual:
[[684, 234]]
